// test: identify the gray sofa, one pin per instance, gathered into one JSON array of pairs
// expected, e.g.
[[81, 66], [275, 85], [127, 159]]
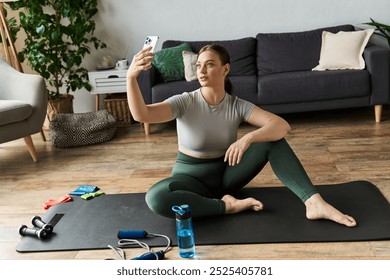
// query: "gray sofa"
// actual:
[[274, 71]]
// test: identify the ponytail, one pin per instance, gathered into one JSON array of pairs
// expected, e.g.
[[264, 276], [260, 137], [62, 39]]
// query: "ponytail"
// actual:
[[228, 86]]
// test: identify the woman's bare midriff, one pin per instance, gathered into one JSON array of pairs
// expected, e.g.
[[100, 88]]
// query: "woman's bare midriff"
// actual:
[[192, 154]]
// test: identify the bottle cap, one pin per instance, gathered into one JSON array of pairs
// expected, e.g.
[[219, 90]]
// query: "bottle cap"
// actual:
[[183, 212]]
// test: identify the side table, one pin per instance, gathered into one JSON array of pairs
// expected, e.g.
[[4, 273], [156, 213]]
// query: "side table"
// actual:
[[107, 81]]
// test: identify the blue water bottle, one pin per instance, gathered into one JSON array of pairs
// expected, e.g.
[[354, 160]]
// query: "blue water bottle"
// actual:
[[184, 231]]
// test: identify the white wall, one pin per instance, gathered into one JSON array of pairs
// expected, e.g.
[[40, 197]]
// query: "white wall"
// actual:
[[123, 24]]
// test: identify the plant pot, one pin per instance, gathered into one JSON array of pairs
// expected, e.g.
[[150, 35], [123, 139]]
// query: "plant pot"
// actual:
[[55, 107]]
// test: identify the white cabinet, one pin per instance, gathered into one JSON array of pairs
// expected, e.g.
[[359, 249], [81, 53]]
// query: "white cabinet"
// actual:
[[107, 81]]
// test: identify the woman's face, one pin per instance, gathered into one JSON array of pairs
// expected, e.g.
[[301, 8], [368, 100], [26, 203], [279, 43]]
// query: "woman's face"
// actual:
[[209, 69]]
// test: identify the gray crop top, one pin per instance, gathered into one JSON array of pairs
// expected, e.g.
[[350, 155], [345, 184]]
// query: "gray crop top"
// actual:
[[206, 130]]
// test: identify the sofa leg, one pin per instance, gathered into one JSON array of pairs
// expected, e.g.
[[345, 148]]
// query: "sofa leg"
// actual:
[[378, 113], [147, 128], [31, 148]]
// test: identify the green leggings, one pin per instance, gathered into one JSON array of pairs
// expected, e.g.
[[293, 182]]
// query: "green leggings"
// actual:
[[201, 183]]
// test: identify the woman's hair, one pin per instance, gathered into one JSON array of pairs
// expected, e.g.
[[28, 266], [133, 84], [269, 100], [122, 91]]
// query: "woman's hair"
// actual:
[[224, 56]]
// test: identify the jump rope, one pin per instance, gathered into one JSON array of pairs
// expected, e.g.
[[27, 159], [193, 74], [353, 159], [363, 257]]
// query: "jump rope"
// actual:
[[129, 239]]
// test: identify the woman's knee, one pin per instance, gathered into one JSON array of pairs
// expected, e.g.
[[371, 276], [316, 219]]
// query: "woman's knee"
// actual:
[[266, 147], [171, 191]]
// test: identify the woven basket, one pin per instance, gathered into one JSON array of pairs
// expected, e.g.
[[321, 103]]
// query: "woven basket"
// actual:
[[117, 105]]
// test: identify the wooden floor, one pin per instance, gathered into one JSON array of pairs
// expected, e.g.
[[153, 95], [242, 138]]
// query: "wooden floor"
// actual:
[[334, 147]]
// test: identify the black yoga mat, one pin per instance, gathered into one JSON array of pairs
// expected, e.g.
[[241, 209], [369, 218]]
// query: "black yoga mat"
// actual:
[[94, 224]]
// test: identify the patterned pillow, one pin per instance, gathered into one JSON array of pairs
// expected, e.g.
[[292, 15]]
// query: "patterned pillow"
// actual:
[[169, 62]]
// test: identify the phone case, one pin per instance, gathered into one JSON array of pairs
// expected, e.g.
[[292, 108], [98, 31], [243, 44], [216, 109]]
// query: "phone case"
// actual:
[[151, 41]]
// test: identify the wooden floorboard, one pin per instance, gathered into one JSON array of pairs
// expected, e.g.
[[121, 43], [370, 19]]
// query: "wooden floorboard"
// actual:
[[334, 147]]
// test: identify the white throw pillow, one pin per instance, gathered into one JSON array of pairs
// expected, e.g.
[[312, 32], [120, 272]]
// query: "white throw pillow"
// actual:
[[189, 59], [343, 50]]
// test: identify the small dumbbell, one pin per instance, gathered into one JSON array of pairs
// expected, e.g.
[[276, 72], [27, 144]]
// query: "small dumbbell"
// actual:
[[37, 222], [40, 233]]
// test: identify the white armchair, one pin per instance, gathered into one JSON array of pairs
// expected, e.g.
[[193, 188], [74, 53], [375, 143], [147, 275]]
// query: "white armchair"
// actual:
[[23, 105]]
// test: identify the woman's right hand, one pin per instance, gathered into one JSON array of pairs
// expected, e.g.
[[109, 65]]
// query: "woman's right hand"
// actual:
[[141, 62]]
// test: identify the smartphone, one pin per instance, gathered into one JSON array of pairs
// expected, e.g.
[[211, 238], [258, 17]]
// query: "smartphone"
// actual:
[[151, 41]]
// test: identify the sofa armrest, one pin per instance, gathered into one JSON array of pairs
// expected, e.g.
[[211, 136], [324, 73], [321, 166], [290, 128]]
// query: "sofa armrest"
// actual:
[[30, 88], [146, 80], [378, 64]]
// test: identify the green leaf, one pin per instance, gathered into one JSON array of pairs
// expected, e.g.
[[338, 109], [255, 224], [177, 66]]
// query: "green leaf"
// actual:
[[40, 29], [383, 30]]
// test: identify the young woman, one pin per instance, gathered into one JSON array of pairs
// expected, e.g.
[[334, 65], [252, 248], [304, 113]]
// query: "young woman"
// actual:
[[212, 163]]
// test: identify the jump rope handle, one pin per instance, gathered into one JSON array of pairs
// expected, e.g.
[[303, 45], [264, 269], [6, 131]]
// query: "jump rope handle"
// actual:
[[159, 255], [131, 234]]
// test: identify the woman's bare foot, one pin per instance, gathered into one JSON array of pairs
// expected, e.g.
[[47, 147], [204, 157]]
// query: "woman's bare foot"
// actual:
[[234, 205], [317, 208]]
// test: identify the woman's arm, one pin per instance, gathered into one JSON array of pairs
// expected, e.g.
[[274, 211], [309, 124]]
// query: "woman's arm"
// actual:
[[271, 128], [153, 113]]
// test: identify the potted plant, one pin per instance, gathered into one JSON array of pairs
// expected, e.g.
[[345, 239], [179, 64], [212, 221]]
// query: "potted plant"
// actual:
[[383, 30], [59, 34]]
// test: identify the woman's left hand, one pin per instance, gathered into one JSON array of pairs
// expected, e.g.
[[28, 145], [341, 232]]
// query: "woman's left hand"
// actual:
[[236, 150]]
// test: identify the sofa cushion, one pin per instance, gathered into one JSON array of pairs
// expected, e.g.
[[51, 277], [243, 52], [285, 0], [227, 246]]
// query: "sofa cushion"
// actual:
[[12, 111], [305, 86], [343, 50], [169, 62], [162, 91], [245, 87], [297, 51], [242, 53]]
